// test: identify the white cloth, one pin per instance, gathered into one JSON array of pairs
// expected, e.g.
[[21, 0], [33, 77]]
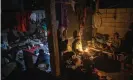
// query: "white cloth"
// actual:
[[73, 5], [33, 17], [37, 15]]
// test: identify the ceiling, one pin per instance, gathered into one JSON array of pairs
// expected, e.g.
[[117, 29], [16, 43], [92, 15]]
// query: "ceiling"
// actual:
[[27, 4], [116, 4]]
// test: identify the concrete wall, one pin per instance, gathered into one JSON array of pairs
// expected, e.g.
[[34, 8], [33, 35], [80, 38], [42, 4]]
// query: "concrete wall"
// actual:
[[119, 24]]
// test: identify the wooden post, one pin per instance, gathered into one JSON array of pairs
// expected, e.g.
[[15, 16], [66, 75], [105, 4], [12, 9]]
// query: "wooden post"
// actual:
[[94, 28], [52, 38], [97, 5]]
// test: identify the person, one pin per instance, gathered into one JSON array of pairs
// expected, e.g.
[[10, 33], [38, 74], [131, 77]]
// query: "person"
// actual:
[[60, 35], [77, 45], [116, 42], [64, 42], [127, 46], [43, 60], [128, 40]]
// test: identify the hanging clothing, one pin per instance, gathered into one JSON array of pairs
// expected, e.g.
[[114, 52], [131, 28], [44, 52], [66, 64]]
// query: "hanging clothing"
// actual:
[[4, 45], [32, 28], [37, 15], [42, 61], [44, 27], [33, 17], [73, 4], [83, 18], [64, 17], [23, 21]]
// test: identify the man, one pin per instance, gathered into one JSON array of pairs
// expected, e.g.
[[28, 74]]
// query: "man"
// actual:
[[116, 42], [77, 45], [43, 61], [127, 46], [128, 41]]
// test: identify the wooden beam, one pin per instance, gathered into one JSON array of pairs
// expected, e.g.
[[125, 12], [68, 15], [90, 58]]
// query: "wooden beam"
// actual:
[[52, 38], [97, 5]]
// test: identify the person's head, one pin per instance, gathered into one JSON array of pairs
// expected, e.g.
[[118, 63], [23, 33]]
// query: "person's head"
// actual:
[[76, 34], [116, 35]]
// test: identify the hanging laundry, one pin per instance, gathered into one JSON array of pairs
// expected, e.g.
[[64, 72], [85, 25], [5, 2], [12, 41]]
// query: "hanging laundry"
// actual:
[[64, 17], [32, 28], [23, 21], [37, 15], [33, 17], [45, 27], [73, 4], [83, 18]]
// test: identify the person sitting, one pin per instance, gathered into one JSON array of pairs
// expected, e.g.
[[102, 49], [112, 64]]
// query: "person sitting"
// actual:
[[77, 45], [43, 60], [128, 41], [64, 42], [116, 42]]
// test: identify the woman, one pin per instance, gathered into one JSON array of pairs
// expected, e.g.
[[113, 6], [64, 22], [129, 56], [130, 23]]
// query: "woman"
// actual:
[[116, 42]]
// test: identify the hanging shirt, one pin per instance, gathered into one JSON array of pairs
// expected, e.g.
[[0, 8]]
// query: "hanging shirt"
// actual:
[[37, 15], [23, 21], [64, 17], [33, 17]]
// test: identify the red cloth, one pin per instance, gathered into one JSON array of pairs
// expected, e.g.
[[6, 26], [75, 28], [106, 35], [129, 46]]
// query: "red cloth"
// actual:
[[32, 50], [23, 21]]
